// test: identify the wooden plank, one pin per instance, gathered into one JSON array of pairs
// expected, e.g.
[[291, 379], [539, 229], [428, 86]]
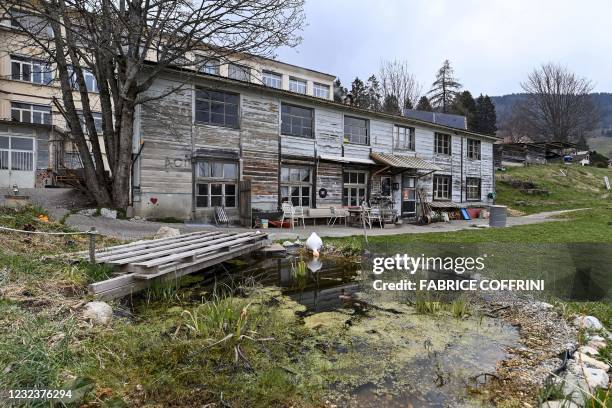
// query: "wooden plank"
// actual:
[[131, 245], [157, 254], [128, 284], [177, 242], [196, 252], [203, 262]]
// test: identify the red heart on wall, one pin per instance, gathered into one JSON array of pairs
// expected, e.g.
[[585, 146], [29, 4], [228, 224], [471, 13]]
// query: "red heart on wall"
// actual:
[[153, 200]]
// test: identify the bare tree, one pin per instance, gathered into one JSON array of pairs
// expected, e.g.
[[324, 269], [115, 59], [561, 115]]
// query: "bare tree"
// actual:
[[127, 44], [559, 106], [398, 83]]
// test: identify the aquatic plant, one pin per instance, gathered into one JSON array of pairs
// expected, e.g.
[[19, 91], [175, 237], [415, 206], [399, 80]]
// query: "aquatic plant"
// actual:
[[460, 308], [299, 272]]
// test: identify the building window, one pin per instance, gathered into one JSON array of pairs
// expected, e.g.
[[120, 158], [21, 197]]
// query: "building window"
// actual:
[[321, 91], [472, 188], [30, 70], [97, 117], [209, 66], [35, 25], [354, 188], [271, 79], [239, 72], [27, 113], [403, 137], [91, 83], [297, 85], [216, 184], [296, 186], [16, 153], [442, 187], [473, 149], [216, 108], [296, 121], [355, 130], [442, 144]]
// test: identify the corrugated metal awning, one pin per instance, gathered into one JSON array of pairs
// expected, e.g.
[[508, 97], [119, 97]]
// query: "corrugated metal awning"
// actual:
[[404, 162], [345, 159]]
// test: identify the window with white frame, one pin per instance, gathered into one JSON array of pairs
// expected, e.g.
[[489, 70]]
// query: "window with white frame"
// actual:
[[354, 188], [209, 66], [472, 188], [91, 83], [296, 120], [473, 149], [239, 72], [296, 186], [28, 113], [36, 25], [97, 117], [403, 137], [321, 90], [272, 79], [31, 70], [216, 184], [16, 153], [356, 130], [297, 85], [442, 143], [442, 187]]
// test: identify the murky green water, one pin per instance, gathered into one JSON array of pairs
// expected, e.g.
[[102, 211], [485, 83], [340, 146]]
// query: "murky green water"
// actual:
[[387, 355]]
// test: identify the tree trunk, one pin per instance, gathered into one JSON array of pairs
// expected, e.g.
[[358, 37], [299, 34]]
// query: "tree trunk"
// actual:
[[121, 175]]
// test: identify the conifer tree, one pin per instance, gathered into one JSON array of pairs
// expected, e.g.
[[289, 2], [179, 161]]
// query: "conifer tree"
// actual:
[[390, 105], [359, 93], [464, 104], [340, 91], [444, 88], [486, 117], [424, 104], [373, 94]]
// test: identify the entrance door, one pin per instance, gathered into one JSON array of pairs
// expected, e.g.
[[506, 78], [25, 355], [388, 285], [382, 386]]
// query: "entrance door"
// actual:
[[17, 161], [408, 196]]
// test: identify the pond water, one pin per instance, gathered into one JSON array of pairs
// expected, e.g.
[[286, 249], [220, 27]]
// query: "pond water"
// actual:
[[388, 356]]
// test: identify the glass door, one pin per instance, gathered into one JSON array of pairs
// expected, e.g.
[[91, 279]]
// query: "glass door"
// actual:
[[408, 196]]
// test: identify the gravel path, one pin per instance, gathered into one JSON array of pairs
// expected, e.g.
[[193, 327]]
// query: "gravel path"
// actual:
[[139, 229]]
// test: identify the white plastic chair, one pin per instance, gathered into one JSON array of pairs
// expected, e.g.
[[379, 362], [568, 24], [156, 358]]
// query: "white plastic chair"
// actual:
[[288, 213], [298, 214]]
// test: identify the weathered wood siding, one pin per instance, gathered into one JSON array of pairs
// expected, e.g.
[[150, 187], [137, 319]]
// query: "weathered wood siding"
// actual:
[[329, 176]]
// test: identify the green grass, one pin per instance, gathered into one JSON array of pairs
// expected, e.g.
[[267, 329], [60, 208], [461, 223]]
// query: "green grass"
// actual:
[[601, 144], [581, 187]]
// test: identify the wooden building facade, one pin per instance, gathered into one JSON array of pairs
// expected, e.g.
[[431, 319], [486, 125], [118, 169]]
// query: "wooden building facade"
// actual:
[[222, 142]]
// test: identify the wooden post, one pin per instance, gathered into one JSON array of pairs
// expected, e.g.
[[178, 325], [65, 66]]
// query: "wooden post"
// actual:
[[92, 244]]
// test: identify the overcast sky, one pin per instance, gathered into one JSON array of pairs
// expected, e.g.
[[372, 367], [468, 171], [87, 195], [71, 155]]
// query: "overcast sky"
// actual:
[[492, 44]]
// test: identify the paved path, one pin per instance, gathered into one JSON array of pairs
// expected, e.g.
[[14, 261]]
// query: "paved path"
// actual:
[[138, 229]]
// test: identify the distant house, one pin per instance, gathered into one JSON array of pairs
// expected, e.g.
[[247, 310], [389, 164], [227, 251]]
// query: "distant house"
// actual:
[[582, 157], [528, 153], [445, 119]]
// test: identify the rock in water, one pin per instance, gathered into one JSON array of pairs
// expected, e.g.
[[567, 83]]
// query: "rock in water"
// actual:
[[99, 313], [166, 232], [588, 322]]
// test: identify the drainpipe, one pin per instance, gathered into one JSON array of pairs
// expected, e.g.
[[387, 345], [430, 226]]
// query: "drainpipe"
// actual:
[[192, 158], [461, 190]]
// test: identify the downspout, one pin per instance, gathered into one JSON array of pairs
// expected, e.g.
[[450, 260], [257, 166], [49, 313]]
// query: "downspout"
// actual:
[[461, 188], [192, 158]]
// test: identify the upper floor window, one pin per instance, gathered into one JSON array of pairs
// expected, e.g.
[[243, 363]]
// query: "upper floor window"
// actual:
[[321, 91], [33, 24], [216, 108], [272, 79], [239, 72], [209, 66], [91, 83], [442, 143], [28, 113], [97, 117], [30, 70], [473, 149], [297, 85], [403, 137], [296, 121], [356, 130]]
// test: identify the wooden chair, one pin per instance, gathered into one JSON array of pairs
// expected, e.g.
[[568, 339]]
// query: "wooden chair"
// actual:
[[221, 216]]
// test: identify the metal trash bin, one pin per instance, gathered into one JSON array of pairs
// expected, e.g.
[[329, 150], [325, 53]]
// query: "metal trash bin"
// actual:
[[497, 215]]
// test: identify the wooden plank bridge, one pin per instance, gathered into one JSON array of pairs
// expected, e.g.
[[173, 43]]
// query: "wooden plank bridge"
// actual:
[[140, 263]]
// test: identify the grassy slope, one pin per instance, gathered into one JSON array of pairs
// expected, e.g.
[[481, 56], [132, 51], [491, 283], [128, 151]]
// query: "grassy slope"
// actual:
[[582, 187], [601, 144]]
